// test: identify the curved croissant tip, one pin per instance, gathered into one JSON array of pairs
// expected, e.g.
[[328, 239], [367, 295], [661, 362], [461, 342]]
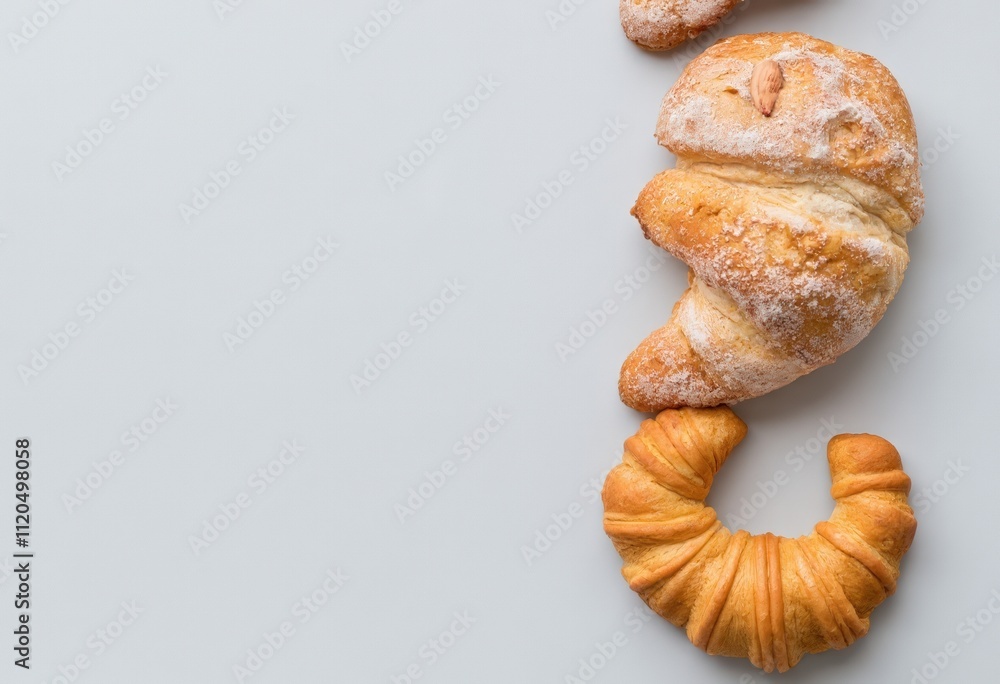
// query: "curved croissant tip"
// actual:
[[859, 440], [862, 453]]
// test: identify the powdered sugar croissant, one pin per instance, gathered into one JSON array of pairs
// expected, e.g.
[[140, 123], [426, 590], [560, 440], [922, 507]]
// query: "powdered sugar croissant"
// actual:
[[663, 24], [794, 225], [766, 598]]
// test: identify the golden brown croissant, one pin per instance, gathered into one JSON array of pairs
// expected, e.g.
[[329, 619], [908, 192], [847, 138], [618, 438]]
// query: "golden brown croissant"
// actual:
[[765, 598], [663, 24], [794, 224]]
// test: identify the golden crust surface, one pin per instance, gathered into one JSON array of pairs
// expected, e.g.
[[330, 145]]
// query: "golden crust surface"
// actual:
[[764, 597]]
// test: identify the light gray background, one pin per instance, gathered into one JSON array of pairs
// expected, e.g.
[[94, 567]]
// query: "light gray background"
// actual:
[[333, 508]]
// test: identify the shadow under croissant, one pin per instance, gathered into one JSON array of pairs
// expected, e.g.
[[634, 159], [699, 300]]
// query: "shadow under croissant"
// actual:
[[766, 598]]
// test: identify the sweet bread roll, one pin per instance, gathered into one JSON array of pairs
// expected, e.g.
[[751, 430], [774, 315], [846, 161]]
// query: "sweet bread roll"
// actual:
[[793, 222], [663, 24], [766, 598]]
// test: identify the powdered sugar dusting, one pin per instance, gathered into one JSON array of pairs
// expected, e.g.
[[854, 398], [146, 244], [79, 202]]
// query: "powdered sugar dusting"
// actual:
[[737, 354], [663, 24], [839, 112], [663, 371], [786, 280], [795, 281]]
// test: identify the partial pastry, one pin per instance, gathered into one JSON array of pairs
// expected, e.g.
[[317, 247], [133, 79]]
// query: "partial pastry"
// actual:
[[763, 597], [664, 24], [797, 181]]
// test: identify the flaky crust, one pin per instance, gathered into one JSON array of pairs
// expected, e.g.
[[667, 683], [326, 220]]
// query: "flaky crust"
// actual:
[[763, 597], [793, 225], [664, 24]]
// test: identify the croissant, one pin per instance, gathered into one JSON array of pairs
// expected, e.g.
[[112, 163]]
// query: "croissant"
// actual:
[[664, 24], [793, 225], [766, 598]]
